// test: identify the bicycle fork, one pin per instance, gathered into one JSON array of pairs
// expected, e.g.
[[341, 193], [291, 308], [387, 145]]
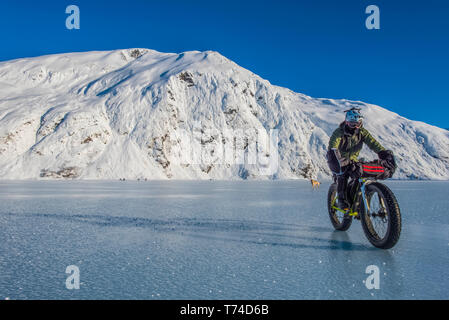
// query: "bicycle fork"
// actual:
[[362, 189]]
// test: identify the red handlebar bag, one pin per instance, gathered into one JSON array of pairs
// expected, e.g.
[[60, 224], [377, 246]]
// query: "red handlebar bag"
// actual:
[[375, 170]]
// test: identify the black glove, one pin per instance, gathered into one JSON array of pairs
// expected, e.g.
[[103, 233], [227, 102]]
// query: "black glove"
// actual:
[[355, 170], [387, 159]]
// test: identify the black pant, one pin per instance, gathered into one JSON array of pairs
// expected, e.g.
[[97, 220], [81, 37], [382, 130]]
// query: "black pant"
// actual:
[[342, 184], [339, 168]]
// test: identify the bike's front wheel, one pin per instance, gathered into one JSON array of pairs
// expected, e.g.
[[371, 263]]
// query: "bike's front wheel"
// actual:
[[339, 220], [381, 219]]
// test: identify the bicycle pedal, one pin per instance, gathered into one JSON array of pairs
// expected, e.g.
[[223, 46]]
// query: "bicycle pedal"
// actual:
[[355, 215]]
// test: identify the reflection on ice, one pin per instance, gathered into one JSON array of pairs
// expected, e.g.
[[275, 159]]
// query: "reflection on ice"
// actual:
[[211, 240]]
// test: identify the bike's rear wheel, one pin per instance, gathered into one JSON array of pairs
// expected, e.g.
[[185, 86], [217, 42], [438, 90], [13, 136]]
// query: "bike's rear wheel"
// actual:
[[381, 221], [339, 220]]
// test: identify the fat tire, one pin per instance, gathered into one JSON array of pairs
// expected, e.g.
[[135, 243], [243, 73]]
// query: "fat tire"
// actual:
[[347, 220], [394, 218]]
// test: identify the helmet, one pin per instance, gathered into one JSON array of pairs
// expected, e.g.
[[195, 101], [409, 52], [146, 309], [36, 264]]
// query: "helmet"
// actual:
[[353, 118]]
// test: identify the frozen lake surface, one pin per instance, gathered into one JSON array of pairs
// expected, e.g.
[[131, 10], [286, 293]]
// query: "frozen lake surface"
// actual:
[[212, 240]]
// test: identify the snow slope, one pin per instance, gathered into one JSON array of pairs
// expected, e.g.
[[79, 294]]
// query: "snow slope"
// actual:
[[127, 114]]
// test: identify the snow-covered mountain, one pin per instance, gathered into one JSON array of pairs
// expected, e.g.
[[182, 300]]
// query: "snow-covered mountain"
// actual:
[[127, 114]]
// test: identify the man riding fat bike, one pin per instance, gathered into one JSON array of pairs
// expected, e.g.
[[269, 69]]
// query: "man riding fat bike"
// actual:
[[344, 148]]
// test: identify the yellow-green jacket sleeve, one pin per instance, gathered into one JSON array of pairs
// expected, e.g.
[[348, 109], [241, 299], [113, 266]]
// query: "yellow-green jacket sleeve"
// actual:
[[372, 143]]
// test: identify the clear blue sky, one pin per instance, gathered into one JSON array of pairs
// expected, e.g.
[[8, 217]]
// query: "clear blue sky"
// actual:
[[317, 47]]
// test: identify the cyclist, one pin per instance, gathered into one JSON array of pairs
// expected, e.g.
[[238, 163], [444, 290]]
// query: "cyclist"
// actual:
[[344, 148]]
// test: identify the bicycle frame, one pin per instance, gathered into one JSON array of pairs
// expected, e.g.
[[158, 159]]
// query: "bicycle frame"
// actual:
[[362, 182]]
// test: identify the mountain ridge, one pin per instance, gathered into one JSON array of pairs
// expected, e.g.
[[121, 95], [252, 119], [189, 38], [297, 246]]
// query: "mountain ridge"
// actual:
[[122, 113]]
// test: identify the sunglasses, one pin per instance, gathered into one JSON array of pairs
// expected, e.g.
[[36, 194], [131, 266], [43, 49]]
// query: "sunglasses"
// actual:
[[353, 125]]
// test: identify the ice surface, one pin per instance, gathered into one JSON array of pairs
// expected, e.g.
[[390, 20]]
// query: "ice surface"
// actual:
[[212, 240]]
